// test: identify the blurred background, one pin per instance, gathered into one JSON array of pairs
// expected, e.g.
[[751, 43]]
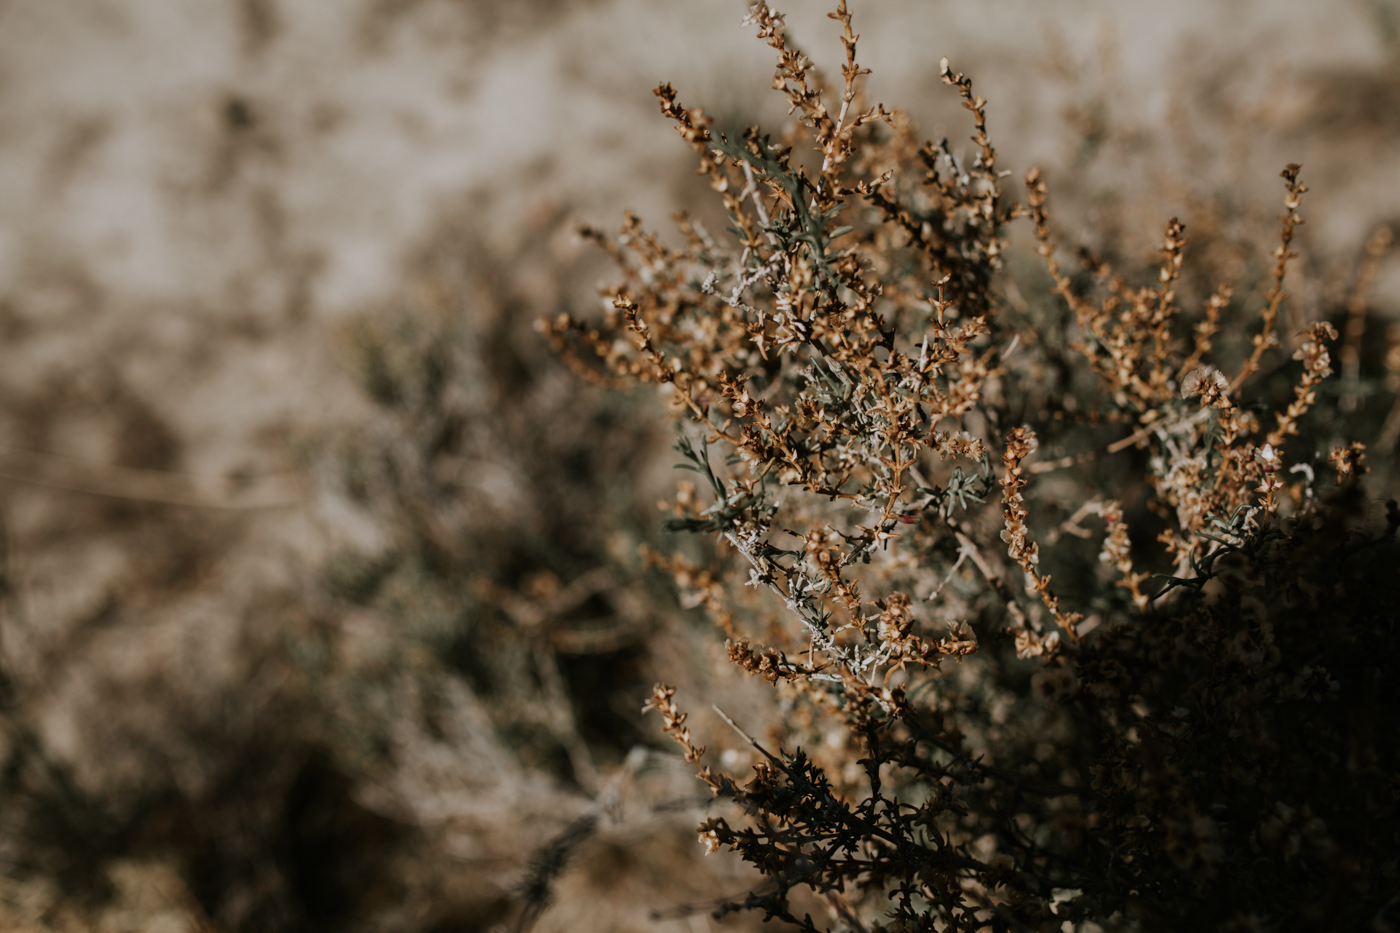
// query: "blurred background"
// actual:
[[321, 599]]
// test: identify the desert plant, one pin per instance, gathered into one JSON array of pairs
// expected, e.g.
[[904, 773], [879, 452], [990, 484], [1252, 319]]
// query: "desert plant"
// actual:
[[1193, 737]]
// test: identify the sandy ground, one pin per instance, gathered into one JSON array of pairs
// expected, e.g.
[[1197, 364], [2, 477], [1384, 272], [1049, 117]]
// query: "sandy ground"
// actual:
[[200, 203]]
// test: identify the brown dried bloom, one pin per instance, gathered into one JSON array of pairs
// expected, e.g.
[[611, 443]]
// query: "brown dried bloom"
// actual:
[[1350, 460], [1021, 443], [673, 720], [1210, 384]]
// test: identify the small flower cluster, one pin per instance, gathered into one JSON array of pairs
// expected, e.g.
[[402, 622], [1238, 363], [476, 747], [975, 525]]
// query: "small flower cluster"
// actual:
[[1020, 444]]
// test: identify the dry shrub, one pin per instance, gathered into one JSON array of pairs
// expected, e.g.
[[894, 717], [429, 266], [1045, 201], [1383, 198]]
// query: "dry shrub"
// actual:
[[1185, 726]]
